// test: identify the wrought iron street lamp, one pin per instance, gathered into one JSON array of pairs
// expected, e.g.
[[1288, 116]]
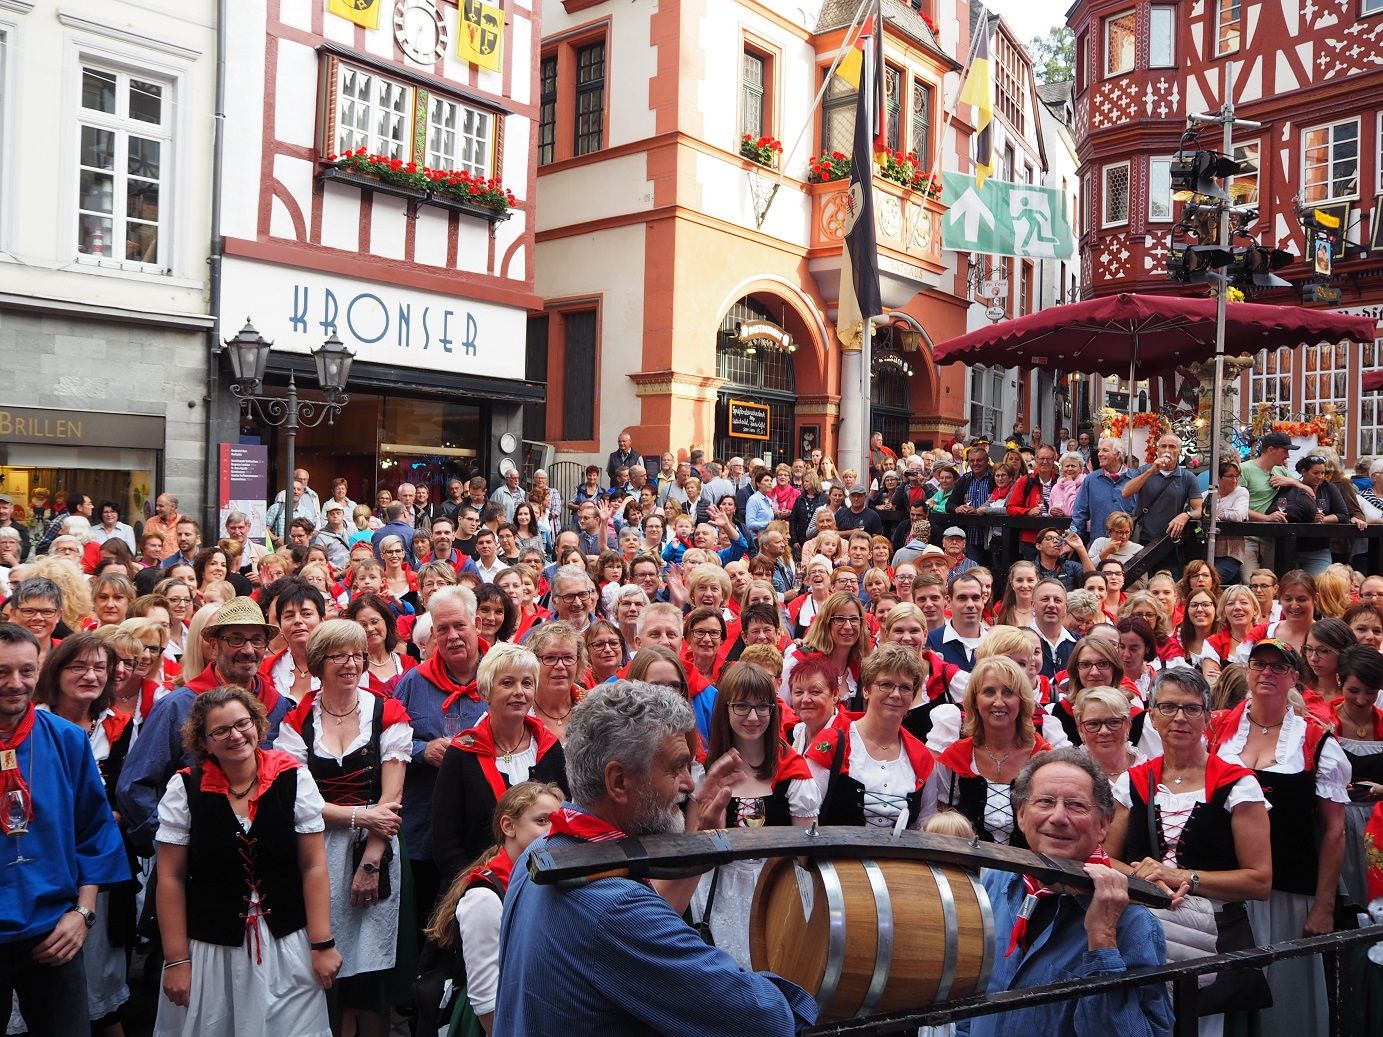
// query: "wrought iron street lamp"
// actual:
[[249, 356]]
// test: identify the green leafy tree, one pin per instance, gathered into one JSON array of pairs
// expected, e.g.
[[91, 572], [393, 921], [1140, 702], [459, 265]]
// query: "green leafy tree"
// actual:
[[1054, 55]]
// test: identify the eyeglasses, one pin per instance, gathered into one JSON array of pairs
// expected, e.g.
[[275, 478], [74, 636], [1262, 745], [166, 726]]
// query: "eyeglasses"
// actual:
[[153, 649], [711, 634], [759, 709], [1318, 650], [847, 620], [240, 641], [1074, 807], [342, 658], [573, 598], [1279, 669], [245, 725], [79, 668], [1086, 665], [1190, 710], [128, 664], [609, 644], [557, 660], [33, 613], [1094, 727], [889, 687]]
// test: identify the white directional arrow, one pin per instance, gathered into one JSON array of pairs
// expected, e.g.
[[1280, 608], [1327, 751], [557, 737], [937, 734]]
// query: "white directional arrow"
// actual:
[[971, 209]]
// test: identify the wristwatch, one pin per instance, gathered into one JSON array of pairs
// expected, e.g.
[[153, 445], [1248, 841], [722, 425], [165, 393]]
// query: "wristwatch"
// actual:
[[324, 945], [1195, 882], [369, 868], [88, 915]]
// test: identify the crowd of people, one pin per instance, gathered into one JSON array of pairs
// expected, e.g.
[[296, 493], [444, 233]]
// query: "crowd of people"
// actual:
[[297, 779]]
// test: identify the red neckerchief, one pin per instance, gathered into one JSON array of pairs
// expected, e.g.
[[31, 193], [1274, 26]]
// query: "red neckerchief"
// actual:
[[480, 740], [437, 673], [580, 825], [791, 766], [1034, 892], [1377, 720], [919, 756], [209, 680], [499, 867], [11, 777], [959, 756], [1146, 777], [114, 724], [697, 682], [269, 765], [394, 712]]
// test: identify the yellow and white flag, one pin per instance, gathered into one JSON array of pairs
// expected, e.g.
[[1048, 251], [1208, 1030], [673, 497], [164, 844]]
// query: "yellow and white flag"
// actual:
[[481, 37], [362, 12]]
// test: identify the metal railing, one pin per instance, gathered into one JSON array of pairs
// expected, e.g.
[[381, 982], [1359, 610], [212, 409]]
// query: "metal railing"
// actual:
[[1334, 948]]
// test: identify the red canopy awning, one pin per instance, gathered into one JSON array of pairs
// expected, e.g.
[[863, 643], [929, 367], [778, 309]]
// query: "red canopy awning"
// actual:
[[1155, 333]]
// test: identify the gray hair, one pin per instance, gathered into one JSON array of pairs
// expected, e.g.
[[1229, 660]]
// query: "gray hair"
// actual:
[[1376, 466], [35, 588], [1073, 457], [1076, 757], [572, 572], [1186, 678], [236, 516], [626, 721], [632, 590], [454, 594], [78, 527], [1117, 443]]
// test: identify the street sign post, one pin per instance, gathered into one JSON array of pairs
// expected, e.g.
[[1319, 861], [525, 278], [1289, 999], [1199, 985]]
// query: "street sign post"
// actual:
[[1004, 219]]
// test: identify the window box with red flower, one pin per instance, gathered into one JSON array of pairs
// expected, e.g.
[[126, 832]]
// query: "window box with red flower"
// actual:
[[453, 189], [828, 166], [905, 169], [763, 150]]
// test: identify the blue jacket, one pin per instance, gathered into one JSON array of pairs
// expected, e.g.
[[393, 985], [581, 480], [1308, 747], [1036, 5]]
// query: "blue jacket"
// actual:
[[73, 839], [758, 513], [1060, 952], [423, 700], [634, 968], [1099, 497]]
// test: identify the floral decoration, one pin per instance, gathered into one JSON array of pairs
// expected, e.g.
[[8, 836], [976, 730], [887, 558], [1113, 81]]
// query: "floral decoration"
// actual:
[[829, 166], [450, 183], [1116, 426], [904, 167], [1316, 426], [763, 150], [931, 24]]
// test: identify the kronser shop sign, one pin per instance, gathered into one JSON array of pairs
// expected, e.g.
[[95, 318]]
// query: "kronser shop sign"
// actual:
[[298, 309]]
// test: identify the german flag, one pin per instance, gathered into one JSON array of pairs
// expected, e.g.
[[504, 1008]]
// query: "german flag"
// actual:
[[859, 259], [979, 91]]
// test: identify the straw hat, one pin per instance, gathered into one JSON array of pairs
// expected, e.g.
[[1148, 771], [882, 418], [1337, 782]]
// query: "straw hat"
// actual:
[[239, 612]]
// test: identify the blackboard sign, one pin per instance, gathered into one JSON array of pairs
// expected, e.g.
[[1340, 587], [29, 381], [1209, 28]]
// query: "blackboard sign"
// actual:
[[748, 420]]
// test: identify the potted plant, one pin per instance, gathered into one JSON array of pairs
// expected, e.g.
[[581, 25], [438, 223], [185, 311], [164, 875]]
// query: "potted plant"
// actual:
[[382, 168], [829, 166], [462, 186], [905, 169], [763, 150], [447, 187]]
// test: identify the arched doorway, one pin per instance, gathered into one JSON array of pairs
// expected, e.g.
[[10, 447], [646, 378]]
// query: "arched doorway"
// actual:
[[754, 354], [889, 412]]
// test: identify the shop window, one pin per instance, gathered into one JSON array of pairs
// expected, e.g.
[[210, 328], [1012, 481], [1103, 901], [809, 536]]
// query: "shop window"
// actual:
[[125, 125], [1162, 37], [1159, 190], [579, 369], [380, 113], [1119, 43], [590, 98], [1330, 161], [1011, 74], [756, 78], [889, 413], [1227, 26], [837, 115], [922, 122], [547, 110], [1114, 197], [893, 107], [1270, 379], [758, 373]]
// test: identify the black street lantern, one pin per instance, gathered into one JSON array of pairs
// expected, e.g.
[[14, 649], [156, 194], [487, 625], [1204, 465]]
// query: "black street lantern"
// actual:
[[249, 356], [333, 362]]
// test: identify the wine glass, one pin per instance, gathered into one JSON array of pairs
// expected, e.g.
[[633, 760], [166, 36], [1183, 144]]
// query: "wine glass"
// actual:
[[17, 818], [451, 723], [752, 813]]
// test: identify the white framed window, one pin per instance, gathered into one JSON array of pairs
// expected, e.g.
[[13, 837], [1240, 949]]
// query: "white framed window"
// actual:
[[1228, 14], [1370, 7], [1371, 403], [1119, 43], [124, 127], [1330, 161], [986, 400], [372, 112], [459, 137], [1114, 196], [1160, 190], [1243, 190], [1162, 37], [752, 116], [1378, 138], [1325, 376], [1270, 379]]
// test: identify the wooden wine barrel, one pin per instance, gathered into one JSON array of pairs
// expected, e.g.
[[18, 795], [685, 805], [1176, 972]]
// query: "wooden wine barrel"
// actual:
[[881, 936]]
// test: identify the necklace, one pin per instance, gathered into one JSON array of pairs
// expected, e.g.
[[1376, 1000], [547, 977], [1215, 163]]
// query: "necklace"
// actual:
[[508, 754], [555, 719], [246, 790], [997, 760], [1263, 729], [881, 749], [340, 717]]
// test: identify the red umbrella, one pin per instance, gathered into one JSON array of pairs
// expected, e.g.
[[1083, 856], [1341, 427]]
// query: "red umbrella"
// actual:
[[1373, 381], [1149, 335]]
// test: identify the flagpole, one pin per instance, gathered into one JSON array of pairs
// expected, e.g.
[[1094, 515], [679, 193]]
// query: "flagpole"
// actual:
[[951, 114], [845, 48]]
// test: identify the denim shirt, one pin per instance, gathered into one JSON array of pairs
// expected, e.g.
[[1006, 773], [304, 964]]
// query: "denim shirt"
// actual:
[[1099, 497], [1060, 953]]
